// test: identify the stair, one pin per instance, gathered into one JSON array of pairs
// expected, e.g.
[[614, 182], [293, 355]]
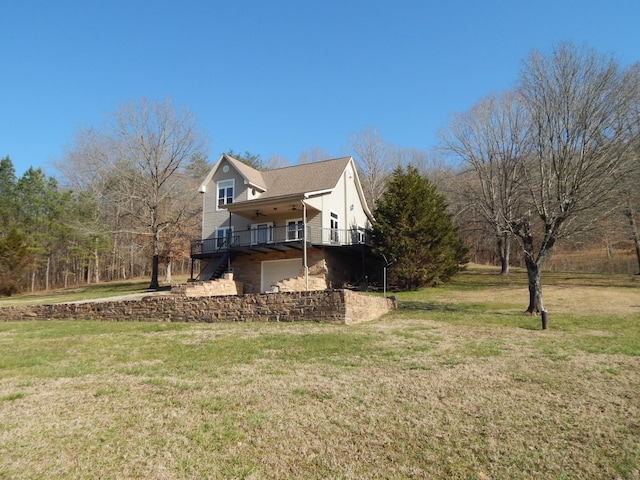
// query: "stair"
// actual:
[[215, 268]]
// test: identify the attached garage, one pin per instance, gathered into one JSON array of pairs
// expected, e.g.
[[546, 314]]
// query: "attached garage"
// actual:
[[274, 271]]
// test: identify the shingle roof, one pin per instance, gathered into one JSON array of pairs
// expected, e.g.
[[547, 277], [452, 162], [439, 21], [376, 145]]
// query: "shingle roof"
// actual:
[[306, 178], [294, 181], [253, 176]]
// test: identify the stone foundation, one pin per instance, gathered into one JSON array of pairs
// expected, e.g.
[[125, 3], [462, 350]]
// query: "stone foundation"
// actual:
[[333, 306]]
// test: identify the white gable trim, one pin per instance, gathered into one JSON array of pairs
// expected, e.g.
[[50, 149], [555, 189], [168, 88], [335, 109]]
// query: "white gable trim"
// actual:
[[356, 179], [203, 186]]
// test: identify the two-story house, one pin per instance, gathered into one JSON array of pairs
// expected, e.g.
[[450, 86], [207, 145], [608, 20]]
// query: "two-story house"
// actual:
[[302, 227]]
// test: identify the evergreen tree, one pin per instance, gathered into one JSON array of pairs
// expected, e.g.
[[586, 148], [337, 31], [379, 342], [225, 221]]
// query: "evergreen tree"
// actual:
[[249, 158], [46, 235], [14, 260], [7, 193], [413, 230]]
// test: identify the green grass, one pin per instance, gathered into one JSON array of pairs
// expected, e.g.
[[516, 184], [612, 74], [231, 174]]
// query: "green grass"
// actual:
[[457, 383], [87, 292]]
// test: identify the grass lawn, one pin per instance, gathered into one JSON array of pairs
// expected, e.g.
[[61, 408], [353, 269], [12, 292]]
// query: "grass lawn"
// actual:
[[455, 384], [84, 292]]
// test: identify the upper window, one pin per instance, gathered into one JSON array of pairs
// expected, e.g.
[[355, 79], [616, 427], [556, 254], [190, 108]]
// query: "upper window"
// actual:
[[225, 192]]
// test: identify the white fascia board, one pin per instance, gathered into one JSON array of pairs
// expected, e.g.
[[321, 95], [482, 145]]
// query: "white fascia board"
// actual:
[[203, 186], [253, 185], [318, 192]]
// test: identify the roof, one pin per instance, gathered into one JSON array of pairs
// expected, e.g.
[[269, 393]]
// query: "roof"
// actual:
[[290, 182], [306, 178], [254, 177]]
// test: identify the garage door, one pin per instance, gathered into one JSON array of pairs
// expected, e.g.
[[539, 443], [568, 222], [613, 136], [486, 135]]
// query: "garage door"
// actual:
[[275, 270]]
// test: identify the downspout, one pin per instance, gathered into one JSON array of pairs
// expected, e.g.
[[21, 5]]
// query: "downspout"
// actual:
[[304, 246], [229, 245]]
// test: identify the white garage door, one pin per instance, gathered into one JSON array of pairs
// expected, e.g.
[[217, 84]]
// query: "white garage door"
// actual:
[[275, 270]]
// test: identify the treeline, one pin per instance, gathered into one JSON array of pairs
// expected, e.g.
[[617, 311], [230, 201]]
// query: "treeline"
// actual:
[[127, 206], [555, 160], [49, 237], [54, 237]]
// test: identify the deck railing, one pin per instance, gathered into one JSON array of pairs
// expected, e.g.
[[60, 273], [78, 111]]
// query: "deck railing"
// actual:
[[264, 237]]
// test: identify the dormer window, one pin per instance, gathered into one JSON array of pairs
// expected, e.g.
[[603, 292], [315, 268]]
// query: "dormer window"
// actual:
[[225, 192]]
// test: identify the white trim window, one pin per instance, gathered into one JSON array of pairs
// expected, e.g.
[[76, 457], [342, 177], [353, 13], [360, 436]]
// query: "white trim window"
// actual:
[[334, 233], [222, 234], [261, 233], [295, 229], [225, 193]]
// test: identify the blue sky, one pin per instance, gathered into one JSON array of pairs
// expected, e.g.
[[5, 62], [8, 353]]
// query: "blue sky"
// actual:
[[281, 76]]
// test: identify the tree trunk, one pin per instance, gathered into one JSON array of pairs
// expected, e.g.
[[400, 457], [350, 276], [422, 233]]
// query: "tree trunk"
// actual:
[[155, 285], [504, 248], [46, 275], [535, 288], [629, 212], [534, 265], [167, 276], [96, 271], [132, 270]]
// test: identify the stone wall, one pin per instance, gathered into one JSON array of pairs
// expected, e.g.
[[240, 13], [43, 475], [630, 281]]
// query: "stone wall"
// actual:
[[364, 308], [220, 286], [299, 284], [334, 306]]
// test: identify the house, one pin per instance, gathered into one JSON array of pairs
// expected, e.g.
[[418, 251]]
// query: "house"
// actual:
[[296, 228]]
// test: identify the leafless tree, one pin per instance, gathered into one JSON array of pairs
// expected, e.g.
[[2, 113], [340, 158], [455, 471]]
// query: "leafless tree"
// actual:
[[491, 141], [373, 158], [155, 140], [549, 156], [578, 102], [136, 168], [316, 154], [630, 190], [276, 161]]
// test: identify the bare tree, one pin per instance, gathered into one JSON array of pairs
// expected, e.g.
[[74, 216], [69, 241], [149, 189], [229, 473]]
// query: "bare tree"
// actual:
[[316, 154], [491, 140], [631, 182], [578, 102], [155, 140], [135, 168], [373, 160], [276, 161]]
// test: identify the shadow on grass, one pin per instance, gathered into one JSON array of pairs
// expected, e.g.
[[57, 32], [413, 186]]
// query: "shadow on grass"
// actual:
[[469, 313], [478, 308]]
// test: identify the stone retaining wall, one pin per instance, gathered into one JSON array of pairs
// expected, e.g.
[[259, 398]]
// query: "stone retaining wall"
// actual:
[[220, 286], [333, 306]]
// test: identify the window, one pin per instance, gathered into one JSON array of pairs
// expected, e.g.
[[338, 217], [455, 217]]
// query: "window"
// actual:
[[225, 192], [261, 233], [295, 229], [221, 236], [334, 234]]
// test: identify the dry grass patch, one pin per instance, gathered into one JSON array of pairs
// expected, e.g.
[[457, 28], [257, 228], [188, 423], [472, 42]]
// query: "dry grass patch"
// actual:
[[586, 300], [448, 390]]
